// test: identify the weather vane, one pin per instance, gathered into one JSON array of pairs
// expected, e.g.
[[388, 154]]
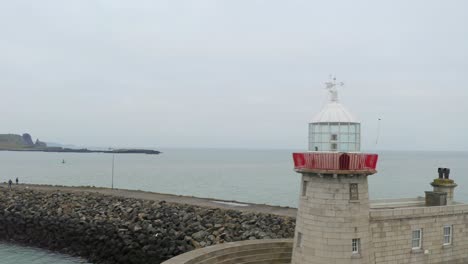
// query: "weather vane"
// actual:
[[331, 86]]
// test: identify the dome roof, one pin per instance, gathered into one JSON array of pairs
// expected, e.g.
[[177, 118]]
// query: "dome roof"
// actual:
[[334, 112]]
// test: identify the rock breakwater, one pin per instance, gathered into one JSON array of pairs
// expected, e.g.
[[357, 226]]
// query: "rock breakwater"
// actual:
[[110, 229]]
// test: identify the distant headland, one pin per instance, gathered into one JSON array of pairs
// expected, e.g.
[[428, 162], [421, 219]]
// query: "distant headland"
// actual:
[[13, 142]]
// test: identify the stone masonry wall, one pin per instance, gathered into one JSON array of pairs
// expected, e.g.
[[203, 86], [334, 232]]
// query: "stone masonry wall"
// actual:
[[328, 221], [392, 235]]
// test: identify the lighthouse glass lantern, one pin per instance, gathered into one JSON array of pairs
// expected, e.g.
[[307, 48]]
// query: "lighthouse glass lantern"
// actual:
[[334, 128]]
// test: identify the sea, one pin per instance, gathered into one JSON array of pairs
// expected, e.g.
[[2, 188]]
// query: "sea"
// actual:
[[245, 175]]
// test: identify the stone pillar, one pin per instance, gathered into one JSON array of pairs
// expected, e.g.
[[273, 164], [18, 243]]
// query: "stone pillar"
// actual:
[[331, 213], [448, 188], [445, 184]]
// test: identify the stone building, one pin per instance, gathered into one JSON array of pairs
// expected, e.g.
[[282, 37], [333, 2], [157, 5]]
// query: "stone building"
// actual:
[[336, 222]]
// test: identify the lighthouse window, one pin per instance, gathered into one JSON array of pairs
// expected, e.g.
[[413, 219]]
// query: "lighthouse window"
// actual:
[[316, 128], [316, 138], [344, 128], [334, 137], [416, 240], [447, 235], [334, 146], [334, 128], [355, 245], [344, 147], [325, 128], [353, 191], [299, 239], [304, 188], [325, 137], [345, 138]]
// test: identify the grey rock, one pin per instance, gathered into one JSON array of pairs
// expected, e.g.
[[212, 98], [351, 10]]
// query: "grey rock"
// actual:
[[108, 229]]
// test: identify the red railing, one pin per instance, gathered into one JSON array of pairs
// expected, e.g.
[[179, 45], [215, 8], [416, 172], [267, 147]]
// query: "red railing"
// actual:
[[335, 161]]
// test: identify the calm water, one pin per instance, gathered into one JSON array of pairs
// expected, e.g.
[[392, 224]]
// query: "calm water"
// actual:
[[259, 176], [13, 254]]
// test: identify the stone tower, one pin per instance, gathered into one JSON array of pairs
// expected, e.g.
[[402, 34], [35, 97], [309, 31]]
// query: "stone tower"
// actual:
[[333, 216]]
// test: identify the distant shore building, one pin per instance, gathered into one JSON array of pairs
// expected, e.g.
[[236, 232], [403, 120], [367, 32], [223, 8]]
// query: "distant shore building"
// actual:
[[336, 222]]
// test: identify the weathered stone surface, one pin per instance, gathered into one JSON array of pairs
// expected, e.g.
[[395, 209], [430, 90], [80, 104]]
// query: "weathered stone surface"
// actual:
[[108, 229]]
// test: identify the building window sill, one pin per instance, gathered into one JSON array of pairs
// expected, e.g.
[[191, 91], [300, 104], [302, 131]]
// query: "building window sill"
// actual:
[[356, 256], [417, 250], [354, 201], [446, 246]]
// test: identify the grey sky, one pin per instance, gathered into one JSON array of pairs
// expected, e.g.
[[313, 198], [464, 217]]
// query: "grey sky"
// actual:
[[239, 73]]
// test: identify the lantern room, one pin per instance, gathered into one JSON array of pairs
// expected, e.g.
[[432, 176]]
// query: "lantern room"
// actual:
[[334, 128]]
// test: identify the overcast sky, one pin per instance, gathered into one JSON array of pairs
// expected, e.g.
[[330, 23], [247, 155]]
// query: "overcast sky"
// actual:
[[240, 73]]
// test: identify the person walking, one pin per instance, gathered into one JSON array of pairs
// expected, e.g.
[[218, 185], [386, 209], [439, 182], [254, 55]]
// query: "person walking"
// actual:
[[9, 184], [17, 180]]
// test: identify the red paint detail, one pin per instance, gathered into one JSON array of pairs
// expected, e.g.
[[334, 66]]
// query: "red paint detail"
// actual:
[[299, 159], [335, 161], [344, 161]]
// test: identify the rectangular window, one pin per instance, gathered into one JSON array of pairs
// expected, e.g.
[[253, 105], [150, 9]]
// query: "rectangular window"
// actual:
[[324, 128], [355, 245], [416, 240], [304, 188], [447, 235], [353, 191], [334, 128], [317, 138], [344, 138], [324, 137], [334, 137], [334, 146], [299, 239], [316, 128], [344, 128]]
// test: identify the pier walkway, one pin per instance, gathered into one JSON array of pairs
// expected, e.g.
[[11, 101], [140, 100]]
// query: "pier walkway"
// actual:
[[170, 198]]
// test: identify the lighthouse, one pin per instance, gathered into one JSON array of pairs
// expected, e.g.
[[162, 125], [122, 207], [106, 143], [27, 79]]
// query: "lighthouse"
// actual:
[[334, 128], [332, 224]]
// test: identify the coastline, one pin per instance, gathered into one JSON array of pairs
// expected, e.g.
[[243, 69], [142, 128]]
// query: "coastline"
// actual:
[[67, 150]]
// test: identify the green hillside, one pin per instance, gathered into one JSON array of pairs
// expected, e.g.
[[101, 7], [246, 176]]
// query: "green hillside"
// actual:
[[12, 141]]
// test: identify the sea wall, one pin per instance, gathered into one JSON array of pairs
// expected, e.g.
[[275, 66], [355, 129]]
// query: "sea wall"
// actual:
[[271, 251], [110, 229]]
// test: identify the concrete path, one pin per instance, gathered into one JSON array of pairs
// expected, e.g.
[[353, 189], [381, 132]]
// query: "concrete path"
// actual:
[[204, 202]]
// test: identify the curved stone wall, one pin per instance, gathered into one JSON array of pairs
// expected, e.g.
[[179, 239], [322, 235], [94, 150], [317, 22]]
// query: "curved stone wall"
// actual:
[[271, 251]]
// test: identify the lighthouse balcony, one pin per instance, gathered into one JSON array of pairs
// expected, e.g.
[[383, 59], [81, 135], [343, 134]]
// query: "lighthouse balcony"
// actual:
[[335, 163]]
